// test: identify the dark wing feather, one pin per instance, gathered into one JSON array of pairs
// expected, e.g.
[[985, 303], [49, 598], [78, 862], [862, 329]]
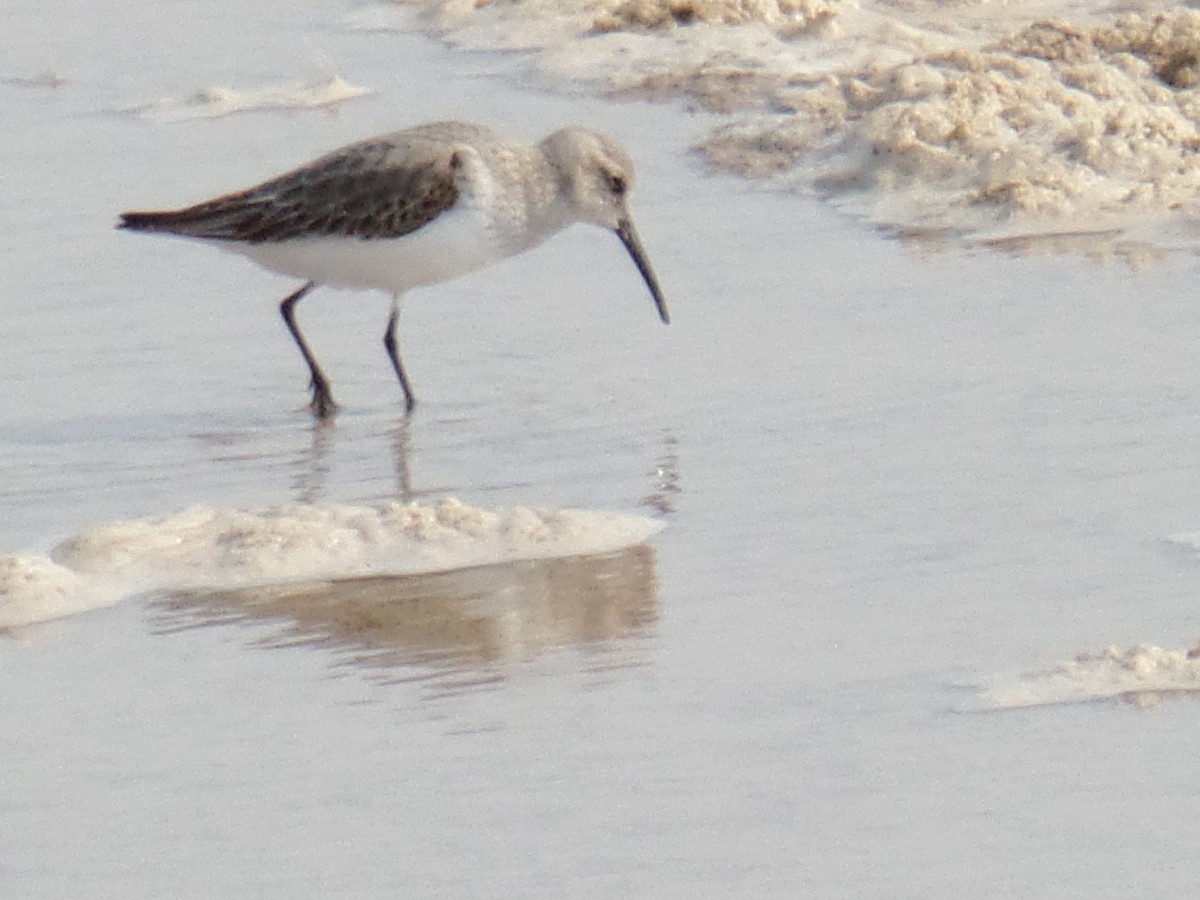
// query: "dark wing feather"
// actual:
[[375, 189]]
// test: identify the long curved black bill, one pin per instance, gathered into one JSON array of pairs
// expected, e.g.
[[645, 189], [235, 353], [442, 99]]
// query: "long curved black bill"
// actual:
[[629, 238]]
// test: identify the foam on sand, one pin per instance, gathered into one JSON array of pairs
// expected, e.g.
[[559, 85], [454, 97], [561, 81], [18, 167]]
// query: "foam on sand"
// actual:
[[34, 589], [212, 548], [1143, 675], [214, 102], [1053, 126], [993, 121]]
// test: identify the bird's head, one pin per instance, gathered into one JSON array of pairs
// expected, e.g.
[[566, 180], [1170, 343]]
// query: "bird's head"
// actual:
[[596, 178]]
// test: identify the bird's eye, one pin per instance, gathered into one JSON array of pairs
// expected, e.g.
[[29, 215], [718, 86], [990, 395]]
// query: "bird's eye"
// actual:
[[616, 184]]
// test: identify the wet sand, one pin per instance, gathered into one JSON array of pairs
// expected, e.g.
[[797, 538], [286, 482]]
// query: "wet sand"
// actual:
[[892, 474]]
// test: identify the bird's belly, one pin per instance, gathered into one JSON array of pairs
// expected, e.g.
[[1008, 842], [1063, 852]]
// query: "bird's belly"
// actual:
[[457, 242]]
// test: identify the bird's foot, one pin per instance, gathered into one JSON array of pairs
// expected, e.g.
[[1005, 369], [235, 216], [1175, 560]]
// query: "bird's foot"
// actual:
[[323, 407], [322, 404]]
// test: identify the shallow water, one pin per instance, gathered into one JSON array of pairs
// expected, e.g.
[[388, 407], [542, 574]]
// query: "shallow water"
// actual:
[[903, 486]]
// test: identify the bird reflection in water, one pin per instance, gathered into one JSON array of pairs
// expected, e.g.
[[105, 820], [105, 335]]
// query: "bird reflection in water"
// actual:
[[459, 629], [312, 465]]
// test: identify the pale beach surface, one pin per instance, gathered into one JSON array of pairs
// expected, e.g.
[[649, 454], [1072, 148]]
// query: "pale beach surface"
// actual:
[[873, 575]]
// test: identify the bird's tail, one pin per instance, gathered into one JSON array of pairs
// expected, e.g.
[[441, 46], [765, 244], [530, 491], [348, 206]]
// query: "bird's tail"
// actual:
[[226, 218], [147, 221]]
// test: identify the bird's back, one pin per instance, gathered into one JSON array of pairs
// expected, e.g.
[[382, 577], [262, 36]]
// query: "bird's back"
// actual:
[[383, 187]]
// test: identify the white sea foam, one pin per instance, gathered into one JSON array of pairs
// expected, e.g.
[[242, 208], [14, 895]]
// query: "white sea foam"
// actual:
[[34, 589], [205, 547], [1143, 675], [44, 79], [1189, 542], [215, 102], [991, 120]]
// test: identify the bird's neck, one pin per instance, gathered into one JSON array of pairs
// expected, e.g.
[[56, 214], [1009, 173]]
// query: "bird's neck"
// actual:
[[536, 205]]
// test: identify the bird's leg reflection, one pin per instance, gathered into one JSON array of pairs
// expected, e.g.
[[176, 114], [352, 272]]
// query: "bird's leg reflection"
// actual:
[[312, 464], [668, 482], [401, 441]]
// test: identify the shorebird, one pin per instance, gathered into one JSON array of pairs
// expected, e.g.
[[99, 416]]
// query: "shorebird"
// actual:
[[413, 208]]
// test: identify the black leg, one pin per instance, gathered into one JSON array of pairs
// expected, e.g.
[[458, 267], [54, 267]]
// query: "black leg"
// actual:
[[389, 343], [322, 400]]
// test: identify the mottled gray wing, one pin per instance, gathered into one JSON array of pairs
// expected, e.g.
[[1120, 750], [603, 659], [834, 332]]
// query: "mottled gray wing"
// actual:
[[374, 189]]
